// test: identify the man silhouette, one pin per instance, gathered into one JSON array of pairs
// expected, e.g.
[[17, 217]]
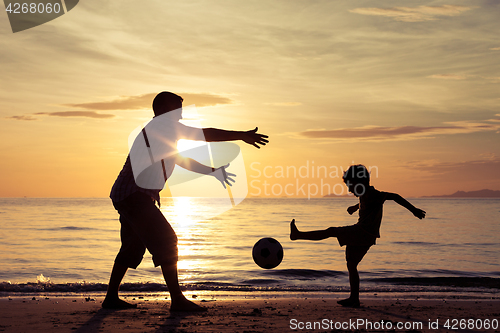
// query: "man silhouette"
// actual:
[[143, 226]]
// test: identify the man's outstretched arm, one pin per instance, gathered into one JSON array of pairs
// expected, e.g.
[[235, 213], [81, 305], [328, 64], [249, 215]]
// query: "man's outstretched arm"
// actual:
[[403, 202], [220, 173], [251, 137]]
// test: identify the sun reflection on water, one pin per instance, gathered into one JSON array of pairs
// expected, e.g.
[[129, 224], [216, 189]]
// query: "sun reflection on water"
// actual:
[[179, 212], [183, 214]]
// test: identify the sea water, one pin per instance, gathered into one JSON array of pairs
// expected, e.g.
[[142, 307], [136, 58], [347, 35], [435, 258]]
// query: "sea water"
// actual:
[[70, 243]]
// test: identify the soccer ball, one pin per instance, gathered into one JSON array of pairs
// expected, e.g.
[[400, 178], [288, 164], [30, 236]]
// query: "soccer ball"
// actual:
[[267, 253]]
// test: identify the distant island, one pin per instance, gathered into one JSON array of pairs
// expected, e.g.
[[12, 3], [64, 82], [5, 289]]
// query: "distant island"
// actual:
[[458, 194], [470, 194], [333, 195]]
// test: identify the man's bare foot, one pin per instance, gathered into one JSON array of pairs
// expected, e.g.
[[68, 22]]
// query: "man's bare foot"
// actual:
[[294, 232], [350, 303], [117, 304], [185, 305]]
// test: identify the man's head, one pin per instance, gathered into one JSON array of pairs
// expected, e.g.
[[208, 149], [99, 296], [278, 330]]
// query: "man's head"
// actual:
[[165, 102], [357, 179]]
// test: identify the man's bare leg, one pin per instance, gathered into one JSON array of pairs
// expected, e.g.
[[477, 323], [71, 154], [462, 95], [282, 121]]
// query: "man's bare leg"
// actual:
[[112, 301], [310, 235], [178, 301]]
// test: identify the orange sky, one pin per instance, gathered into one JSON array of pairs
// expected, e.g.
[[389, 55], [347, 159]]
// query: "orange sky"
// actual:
[[410, 89]]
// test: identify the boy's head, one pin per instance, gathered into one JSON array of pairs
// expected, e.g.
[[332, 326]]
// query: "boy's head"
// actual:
[[357, 178], [165, 102]]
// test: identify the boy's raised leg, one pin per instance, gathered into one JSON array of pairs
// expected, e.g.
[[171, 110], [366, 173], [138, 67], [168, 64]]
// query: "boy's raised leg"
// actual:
[[294, 232], [310, 235]]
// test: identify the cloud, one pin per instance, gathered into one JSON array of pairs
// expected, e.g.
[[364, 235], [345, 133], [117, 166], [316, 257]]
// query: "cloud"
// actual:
[[495, 49], [413, 14], [138, 102], [396, 133], [447, 76], [26, 117], [479, 170], [144, 102], [493, 79], [88, 114], [284, 104], [201, 100]]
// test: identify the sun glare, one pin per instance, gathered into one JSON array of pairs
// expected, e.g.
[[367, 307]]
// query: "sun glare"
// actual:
[[183, 145]]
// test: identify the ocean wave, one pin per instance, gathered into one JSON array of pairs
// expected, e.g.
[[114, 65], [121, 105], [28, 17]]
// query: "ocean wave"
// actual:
[[328, 283], [260, 282], [420, 243], [307, 274], [390, 285], [72, 228], [430, 244]]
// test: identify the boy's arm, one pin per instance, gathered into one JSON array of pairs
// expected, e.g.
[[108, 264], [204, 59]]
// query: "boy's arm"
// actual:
[[403, 202], [251, 137], [352, 209]]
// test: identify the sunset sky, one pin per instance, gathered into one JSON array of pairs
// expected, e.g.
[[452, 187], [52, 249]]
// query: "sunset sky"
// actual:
[[410, 88]]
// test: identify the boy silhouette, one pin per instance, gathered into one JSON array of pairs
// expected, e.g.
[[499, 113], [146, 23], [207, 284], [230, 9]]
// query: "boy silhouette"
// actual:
[[143, 226], [359, 237]]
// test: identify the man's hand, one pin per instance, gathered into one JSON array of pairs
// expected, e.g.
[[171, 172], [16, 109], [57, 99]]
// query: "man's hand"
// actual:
[[223, 176], [418, 213], [253, 138]]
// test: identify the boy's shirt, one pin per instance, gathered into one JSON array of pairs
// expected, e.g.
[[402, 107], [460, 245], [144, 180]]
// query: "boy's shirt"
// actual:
[[370, 211]]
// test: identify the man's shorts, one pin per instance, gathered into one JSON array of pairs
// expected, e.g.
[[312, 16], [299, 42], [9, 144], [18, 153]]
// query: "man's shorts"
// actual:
[[143, 226]]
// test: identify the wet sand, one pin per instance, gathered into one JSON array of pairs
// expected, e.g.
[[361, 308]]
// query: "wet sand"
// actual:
[[84, 314]]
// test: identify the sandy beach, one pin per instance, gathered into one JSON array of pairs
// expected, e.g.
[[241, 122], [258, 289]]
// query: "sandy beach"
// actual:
[[382, 314]]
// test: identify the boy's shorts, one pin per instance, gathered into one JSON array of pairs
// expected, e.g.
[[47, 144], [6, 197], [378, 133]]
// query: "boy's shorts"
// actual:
[[355, 253], [143, 226], [353, 235], [357, 241]]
